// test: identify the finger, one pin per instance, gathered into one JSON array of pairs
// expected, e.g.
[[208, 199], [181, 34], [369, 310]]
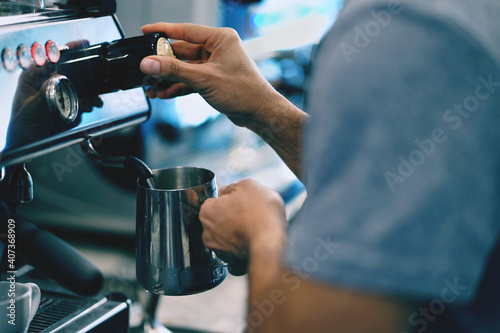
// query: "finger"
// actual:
[[237, 264], [77, 44], [169, 90], [165, 85], [207, 211], [208, 240], [187, 51], [227, 189], [97, 102], [171, 69], [188, 32], [176, 90]]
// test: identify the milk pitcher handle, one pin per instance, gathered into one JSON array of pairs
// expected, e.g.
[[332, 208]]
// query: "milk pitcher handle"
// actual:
[[236, 266]]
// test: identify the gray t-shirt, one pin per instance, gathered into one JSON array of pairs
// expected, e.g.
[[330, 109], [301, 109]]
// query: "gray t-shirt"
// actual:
[[402, 160]]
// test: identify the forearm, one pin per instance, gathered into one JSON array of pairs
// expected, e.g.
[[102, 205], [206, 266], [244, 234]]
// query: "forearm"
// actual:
[[281, 124], [263, 274], [274, 306]]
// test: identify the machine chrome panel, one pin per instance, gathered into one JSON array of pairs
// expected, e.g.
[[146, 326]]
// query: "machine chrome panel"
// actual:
[[28, 128]]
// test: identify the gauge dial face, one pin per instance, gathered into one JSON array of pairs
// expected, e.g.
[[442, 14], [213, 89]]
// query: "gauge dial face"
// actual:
[[62, 97]]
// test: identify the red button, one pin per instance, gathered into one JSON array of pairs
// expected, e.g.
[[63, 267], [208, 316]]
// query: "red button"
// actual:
[[38, 54], [52, 50]]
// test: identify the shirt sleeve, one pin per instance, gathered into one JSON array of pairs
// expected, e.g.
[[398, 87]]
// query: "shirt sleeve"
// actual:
[[401, 159]]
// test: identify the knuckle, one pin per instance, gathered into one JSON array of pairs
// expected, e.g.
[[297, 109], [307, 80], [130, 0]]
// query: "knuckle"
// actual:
[[247, 182], [251, 184], [230, 31], [278, 199], [172, 69], [231, 34], [205, 209], [206, 239]]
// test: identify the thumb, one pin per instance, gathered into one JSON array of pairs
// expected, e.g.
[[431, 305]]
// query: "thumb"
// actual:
[[170, 69]]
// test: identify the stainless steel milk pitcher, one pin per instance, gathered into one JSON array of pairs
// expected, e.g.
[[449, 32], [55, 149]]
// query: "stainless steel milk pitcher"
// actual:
[[170, 256]]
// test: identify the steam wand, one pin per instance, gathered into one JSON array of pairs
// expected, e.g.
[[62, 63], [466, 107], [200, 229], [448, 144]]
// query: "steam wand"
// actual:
[[132, 163], [144, 173]]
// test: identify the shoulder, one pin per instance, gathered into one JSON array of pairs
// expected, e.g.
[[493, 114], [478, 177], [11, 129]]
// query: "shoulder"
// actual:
[[361, 21], [375, 45]]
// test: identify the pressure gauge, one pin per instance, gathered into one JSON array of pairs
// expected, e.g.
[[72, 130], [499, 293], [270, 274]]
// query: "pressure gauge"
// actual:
[[62, 98]]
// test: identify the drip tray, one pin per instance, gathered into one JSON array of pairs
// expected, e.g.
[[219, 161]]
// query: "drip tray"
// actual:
[[58, 313], [62, 311], [54, 311]]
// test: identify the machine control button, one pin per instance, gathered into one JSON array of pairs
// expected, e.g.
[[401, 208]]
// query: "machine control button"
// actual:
[[52, 50], [9, 59], [163, 47], [62, 97], [38, 54], [24, 56]]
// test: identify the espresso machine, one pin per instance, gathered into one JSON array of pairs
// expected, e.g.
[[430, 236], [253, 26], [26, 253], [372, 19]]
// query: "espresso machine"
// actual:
[[56, 92]]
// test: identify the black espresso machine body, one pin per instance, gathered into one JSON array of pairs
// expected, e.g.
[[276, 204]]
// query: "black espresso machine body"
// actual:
[[48, 101]]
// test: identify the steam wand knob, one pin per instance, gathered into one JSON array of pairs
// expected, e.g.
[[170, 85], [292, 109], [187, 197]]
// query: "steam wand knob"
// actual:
[[21, 185]]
